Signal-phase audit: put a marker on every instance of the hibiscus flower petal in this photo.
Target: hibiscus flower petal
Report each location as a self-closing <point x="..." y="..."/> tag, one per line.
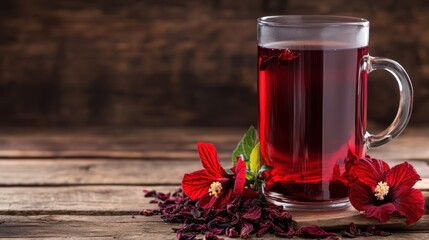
<point x="410" y="204"/>
<point x="402" y="175"/>
<point x="207" y="201"/>
<point x="197" y="184"/>
<point x="224" y="198"/>
<point x="210" y="159"/>
<point x="361" y="196"/>
<point x="239" y="171"/>
<point x="382" y="213"/>
<point x="370" y="170"/>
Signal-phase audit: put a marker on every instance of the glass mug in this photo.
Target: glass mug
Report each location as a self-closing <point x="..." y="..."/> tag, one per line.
<point x="312" y="87"/>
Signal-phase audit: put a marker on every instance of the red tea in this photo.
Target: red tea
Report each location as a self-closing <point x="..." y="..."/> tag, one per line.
<point x="312" y="118"/>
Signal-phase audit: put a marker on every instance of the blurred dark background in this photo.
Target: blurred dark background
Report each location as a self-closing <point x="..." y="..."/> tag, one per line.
<point x="175" y="63"/>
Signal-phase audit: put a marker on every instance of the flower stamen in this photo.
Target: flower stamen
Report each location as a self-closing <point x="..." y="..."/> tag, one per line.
<point x="215" y="189"/>
<point x="381" y="190"/>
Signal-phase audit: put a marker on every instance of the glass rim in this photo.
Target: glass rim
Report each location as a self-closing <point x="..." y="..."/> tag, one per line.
<point x="311" y="21"/>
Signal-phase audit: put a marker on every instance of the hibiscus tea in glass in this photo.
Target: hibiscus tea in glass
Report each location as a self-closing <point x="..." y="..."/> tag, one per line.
<point x="312" y="86"/>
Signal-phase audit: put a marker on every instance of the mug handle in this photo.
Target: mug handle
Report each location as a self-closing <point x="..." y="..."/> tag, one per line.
<point x="370" y="64"/>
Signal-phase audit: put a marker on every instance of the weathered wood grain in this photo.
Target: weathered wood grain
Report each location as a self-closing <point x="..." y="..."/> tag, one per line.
<point x="59" y="172"/>
<point x="95" y="172"/>
<point x="128" y="200"/>
<point x="108" y="227"/>
<point x="138" y="143"/>
<point x="342" y="219"/>
<point x="104" y="227"/>
<point x="413" y="143"/>
<point x="163" y="143"/>
<point x="88" y="200"/>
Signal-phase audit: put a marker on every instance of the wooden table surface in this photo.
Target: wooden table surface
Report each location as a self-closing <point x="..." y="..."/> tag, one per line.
<point x="87" y="183"/>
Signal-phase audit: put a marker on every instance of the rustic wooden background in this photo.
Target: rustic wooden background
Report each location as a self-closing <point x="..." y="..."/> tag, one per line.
<point x="175" y="63"/>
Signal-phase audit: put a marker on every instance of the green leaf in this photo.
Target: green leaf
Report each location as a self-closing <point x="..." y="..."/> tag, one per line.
<point x="246" y="145"/>
<point x="255" y="157"/>
<point x="250" y="175"/>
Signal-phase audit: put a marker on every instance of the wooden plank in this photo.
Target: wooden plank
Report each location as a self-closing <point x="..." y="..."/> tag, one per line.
<point x="52" y="172"/>
<point x="95" y="172"/>
<point x="342" y="219"/>
<point x="82" y="200"/>
<point x="77" y="227"/>
<point x="108" y="227"/>
<point x="162" y="143"/>
<point x="140" y="143"/>
<point x="413" y="143"/>
<point x="128" y="200"/>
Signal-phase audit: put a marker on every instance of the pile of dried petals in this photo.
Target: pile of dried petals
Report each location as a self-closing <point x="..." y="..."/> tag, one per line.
<point x="240" y="218"/>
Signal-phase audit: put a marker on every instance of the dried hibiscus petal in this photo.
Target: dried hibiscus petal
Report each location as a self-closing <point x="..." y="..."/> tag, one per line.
<point x="192" y="228"/>
<point x="354" y="229"/>
<point x="314" y="232"/>
<point x="217" y="231"/>
<point x="284" y="57"/>
<point x="178" y="193"/>
<point x="281" y="215"/>
<point x="149" y="212"/>
<point x="288" y="55"/>
<point x="149" y="193"/>
<point x="354" y="232"/>
<point x="289" y="234"/>
<point x="266" y="62"/>
<point x="185" y="236"/>
<point x="211" y="236"/>
<point x="232" y="232"/>
<point x="264" y="225"/>
<point x="371" y="230"/>
<point x="236" y="218"/>
<point x="246" y="229"/>
<point x="332" y="238"/>
<point x="253" y="214"/>
<point x="163" y="196"/>
<point x="195" y="213"/>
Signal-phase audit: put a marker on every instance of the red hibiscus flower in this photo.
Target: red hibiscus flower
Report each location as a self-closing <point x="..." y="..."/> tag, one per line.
<point x="214" y="186"/>
<point x="380" y="191"/>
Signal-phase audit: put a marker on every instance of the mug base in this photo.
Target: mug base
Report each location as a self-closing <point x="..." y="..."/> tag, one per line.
<point x="293" y="205"/>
